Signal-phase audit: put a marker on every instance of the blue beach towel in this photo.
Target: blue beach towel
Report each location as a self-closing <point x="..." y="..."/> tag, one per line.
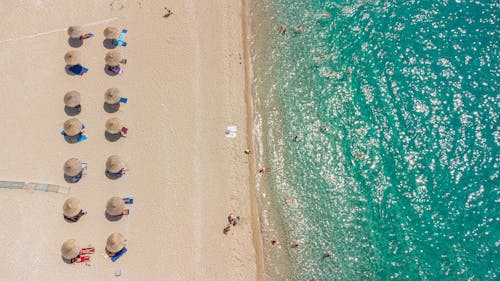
<point x="128" y="200"/>
<point x="123" y="100"/>
<point x="78" y="69"/>
<point x="81" y="138"/>
<point x="119" y="254"/>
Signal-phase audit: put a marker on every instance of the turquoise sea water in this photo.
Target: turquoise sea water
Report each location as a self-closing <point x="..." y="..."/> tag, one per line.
<point x="403" y="184"/>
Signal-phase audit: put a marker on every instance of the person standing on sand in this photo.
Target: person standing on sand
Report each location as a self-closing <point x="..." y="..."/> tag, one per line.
<point x="248" y="151"/>
<point x="282" y="29"/>
<point x="275" y="242"/>
<point x="264" y="170"/>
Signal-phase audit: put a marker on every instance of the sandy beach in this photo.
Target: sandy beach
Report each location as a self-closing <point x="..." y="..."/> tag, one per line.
<point x="185" y="83"/>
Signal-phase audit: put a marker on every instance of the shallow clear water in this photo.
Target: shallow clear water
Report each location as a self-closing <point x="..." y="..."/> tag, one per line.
<point x="404" y="181"/>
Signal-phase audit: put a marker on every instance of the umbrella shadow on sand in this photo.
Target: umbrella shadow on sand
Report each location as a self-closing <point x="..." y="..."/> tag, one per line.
<point x="69" y="179"/>
<point x="112" y="218"/>
<point x="72" y="111"/>
<point x="113" y="176"/>
<point x="66" y="68"/>
<point x="108" y="44"/>
<point x="111" y="108"/>
<point x="75" y="42"/>
<point x="67" y="261"/>
<point x="109" y="72"/>
<point x="71" y="139"/>
<point x="112" y="137"/>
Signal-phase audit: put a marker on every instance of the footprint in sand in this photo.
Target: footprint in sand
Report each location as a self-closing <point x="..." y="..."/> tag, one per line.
<point x="116" y="5"/>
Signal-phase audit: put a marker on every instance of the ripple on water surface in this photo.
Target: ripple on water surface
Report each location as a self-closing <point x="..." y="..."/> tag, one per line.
<point x="403" y="182"/>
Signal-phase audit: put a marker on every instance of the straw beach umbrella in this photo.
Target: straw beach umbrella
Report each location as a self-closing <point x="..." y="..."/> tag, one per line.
<point x="111" y="32"/>
<point x="115" y="206"/>
<point x="72" y="127"/>
<point x="71" y="207"/>
<point x="70" y="249"/>
<point x="112" y="96"/>
<point x="72" y="57"/>
<point x="72" y="167"/>
<point x="115" y="164"/>
<point x="75" y="31"/>
<point x="115" y="242"/>
<point x="113" y="58"/>
<point x="114" y="125"/>
<point x="72" y="99"/>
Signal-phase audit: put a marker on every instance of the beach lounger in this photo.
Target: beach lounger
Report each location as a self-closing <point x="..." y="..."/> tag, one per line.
<point x="123" y="100"/>
<point x="86" y="36"/>
<point x="119" y="41"/>
<point x="87" y="251"/>
<point x="80" y="259"/>
<point x="119" y="254"/>
<point x="124" y="131"/>
<point x="128" y="200"/>
<point x="78" y="69"/>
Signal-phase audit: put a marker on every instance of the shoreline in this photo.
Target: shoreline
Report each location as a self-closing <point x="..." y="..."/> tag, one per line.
<point x="255" y="211"/>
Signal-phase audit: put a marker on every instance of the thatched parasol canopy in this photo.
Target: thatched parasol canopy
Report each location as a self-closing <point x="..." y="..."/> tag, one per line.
<point x="111" y="32"/>
<point x="75" y="31"/>
<point x="115" y="242"/>
<point x="70" y="249"/>
<point x="71" y="207"/>
<point x="72" y="167"/>
<point x="72" y="127"/>
<point x="112" y="96"/>
<point x="113" y="58"/>
<point x="72" y="99"/>
<point x="115" y="164"/>
<point x="114" y="125"/>
<point x="115" y="206"/>
<point x="72" y="57"/>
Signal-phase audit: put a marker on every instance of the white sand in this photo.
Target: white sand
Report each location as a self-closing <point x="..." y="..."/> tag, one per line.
<point x="185" y="83"/>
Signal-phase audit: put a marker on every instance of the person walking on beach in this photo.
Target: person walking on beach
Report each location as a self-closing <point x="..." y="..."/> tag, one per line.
<point x="168" y="12"/>
<point x="248" y="151"/>
<point x="233" y="220"/>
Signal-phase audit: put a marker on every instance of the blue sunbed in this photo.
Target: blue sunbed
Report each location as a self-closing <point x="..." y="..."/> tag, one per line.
<point x="119" y="254"/>
<point x="119" y="41"/>
<point x="78" y="69"/>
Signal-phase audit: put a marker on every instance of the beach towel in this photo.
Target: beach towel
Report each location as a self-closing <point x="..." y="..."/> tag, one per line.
<point x="81" y="138"/>
<point x="231" y="132"/>
<point x="123" y="100"/>
<point x="128" y="200"/>
<point x="119" y="254"/>
<point x="116" y="69"/>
